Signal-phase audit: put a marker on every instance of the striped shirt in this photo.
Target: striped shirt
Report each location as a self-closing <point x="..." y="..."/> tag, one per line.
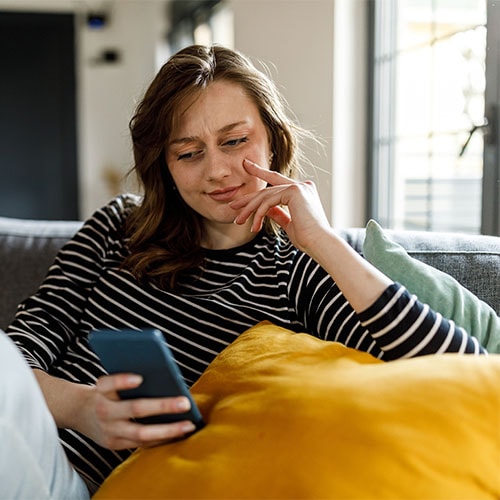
<point x="266" y="279"/>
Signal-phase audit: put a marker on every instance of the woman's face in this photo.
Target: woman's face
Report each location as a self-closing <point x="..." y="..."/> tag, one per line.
<point x="205" y="153"/>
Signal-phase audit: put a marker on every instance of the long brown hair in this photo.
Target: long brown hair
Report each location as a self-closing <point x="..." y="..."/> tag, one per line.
<point x="164" y="232"/>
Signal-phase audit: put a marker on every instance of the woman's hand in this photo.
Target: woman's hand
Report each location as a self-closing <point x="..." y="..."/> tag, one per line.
<point x="295" y="206"/>
<point x="111" y="419"/>
<point x="98" y="412"/>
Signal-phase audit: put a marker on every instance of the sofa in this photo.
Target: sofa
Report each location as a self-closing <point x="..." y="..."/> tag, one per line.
<point x="426" y="427"/>
<point x="28" y="247"/>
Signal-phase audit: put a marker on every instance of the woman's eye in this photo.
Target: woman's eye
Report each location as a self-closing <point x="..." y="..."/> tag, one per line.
<point x="188" y="156"/>
<point x="235" y="142"/>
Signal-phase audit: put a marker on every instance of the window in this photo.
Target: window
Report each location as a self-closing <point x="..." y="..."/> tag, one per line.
<point x="433" y="123"/>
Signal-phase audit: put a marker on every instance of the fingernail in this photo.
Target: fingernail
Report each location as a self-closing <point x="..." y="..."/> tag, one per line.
<point x="188" y="427"/>
<point x="183" y="404"/>
<point x="134" y="379"/>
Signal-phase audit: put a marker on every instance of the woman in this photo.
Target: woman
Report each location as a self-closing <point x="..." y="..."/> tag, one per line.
<point x="222" y="238"/>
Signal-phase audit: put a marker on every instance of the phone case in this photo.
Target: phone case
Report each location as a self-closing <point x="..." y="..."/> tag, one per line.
<point x="146" y="353"/>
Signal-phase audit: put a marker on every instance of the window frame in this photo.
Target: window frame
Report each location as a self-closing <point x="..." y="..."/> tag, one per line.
<point x="490" y="210"/>
<point x="381" y="116"/>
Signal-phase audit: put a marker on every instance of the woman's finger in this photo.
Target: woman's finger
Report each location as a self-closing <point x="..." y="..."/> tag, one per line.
<point x="270" y="176"/>
<point x="109" y="385"/>
<point x="129" y="434"/>
<point x="110" y="407"/>
<point x="258" y="204"/>
<point x="154" y="433"/>
<point x="146" y="407"/>
<point x="280" y="216"/>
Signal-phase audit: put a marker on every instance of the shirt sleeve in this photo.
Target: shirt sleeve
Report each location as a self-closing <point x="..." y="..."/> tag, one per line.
<point x="396" y="326"/>
<point x="403" y="327"/>
<point x="49" y="320"/>
<point x="323" y="310"/>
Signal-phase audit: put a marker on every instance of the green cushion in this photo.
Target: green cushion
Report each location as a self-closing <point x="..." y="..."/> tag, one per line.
<point x="439" y="290"/>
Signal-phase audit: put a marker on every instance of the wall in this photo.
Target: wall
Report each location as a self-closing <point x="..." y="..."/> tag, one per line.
<point x="350" y="107"/>
<point x="314" y="49"/>
<point x="295" y="40"/>
<point x="109" y="93"/>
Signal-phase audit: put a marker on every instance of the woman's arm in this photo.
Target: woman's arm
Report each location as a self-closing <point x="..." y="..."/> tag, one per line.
<point x="308" y="228"/>
<point x="49" y="321"/>
<point x="360" y="282"/>
<point x="400" y="325"/>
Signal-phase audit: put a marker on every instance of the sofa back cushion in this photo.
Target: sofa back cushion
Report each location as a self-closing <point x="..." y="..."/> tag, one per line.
<point x="27" y="249"/>
<point x="473" y="260"/>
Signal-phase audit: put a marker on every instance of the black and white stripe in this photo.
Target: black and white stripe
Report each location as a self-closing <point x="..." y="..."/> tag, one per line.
<point x="403" y="327"/>
<point x="267" y="279"/>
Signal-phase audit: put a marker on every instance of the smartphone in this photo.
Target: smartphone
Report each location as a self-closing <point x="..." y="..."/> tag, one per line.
<point x="145" y="352"/>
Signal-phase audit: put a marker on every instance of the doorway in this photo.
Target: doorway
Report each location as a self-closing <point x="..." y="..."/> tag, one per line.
<point x="38" y="166"/>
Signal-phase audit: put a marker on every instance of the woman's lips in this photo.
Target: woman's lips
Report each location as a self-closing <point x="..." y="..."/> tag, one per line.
<point x="224" y="195"/>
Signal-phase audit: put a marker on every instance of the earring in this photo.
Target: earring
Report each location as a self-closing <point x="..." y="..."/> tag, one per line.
<point x="270" y="159"/>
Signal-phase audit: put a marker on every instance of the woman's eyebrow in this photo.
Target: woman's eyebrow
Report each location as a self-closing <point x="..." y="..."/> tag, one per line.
<point x="193" y="138"/>
<point x="229" y="127"/>
<point x="183" y="140"/>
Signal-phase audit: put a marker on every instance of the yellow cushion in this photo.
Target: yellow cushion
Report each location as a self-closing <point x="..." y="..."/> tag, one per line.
<point x="291" y="416"/>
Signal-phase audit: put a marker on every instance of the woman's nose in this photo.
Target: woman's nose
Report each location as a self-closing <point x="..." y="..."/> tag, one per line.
<point x="218" y="165"/>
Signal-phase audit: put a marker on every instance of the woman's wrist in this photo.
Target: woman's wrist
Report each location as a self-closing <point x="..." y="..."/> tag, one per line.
<point x="359" y="281"/>
<point x="67" y="401"/>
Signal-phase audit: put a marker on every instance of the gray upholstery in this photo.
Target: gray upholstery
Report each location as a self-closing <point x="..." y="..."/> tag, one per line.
<point x="28" y="247"/>
<point x="473" y="260"/>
